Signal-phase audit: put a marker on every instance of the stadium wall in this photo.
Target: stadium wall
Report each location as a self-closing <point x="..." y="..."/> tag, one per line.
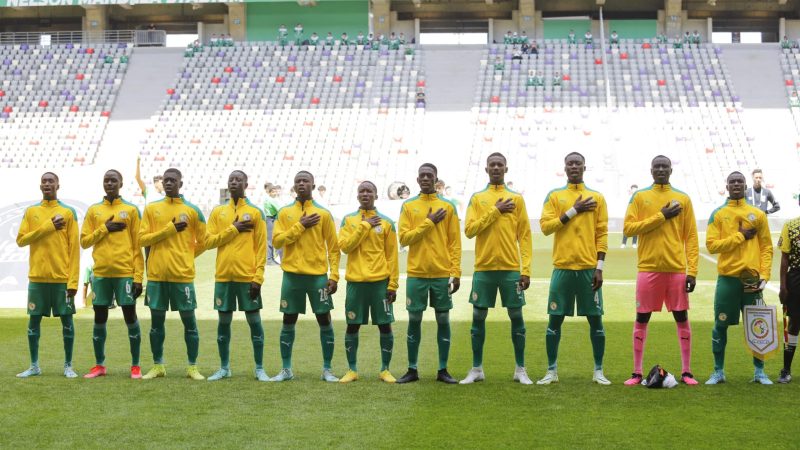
<point x="634" y="29"/>
<point x="263" y="19"/>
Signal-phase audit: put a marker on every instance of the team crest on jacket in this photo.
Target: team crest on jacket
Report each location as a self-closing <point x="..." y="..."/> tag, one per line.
<point x="378" y="229"/>
<point x="247" y="217"/>
<point x="184" y="217"/>
<point x="751" y="217"/>
<point x="474" y="296"/>
<point x="553" y="306"/>
<point x="123" y="214"/>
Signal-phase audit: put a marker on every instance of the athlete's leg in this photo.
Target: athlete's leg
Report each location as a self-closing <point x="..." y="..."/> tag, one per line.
<point x="287" y="339"/>
<point x="326" y="339"/>
<point x="517" y="335"/>
<point x="684" y="338"/>
<point x="224" y="338"/>
<point x="552" y="339"/>
<point x="134" y="332"/>
<point x="99" y="333"/>
<point x="256" y="336"/>
<point x="597" y="334"/>
<point x="414" y="337"/>
<point x="478" y="333"/>
<point x="387" y="345"/>
<point x="191" y="336"/>
<point x="351" y="345"/>
<point x="639" y="339"/>
<point x="443" y="337"/>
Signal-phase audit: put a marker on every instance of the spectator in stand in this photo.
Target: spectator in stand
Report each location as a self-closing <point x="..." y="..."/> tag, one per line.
<point x="298" y="34"/>
<point x="313" y="40"/>
<point x="228" y="41"/>
<point x="614" y="38"/>
<point x="516" y="54"/>
<point x="523" y="38"/>
<point x="283" y="36"/>
<point x="498" y="64"/>
<point x="360" y="39"/>
<point x="571" y="39"/>
<point x="534" y="80"/>
<point x="786" y="43"/>
<point x="271" y="207"/>
<point x="394" y="42"/>
<point x="322" y="196"/>
<point x="420" y="98"/>
<point x="696" y="38"/>
<point x="402" y="39"/>
<point x="344" y="40"/>
<point x="557" y="79"/>
<point x="531" y="48"/>
<point x="661" y="38"/>
<point x="384" y="40"/>
<point x="439" y="186"/>
<point x="631" y="191"/>
<point x="515" y="39"/>
<point x="329" y="39"/>
<point x="155" y="192"/>
<point x="588" y="39"/>
<point x="151" y="27"/>
<point x="508" y="39"/>
<point x="687" y="38"/>
<point x="759" y="196"/>
<point x="677" y="43"/>
<point x="214" y="41"/>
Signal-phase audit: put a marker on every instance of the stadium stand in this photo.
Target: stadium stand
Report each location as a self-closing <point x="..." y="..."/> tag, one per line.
<point x="345" y="113"/>
<point x="55" y="102"/>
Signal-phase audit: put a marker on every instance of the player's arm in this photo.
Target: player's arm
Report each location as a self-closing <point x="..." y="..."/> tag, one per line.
<point x="139" y="180"/>
<point x="26" y="236"/>
<point x="149" y="237"/>
<point x="260" y="241"/>
<point x="690" y="239"/>
<point x="329" y="234"/>
<point x="138" y="257"/>
<point x="786" y="247"/>
<point x="283" y="234"/>
<point x="635" y="227"/>
<point x="91" y="235"/>
<point x="218" y="234"/>
<point x="454" y="244"/>
<point x="350" y="239"/>
<point x="524" y="239"/>
<point x="410" y="235"/>
<point x="550" y="222"/>
<point x="74" y="252"/>
<point x="390" y="248"/>
<point x="601" y="227"/>
<point x="775" y="206"/>
<point x="717" y="244"/>
<point x="200" y="234"/>
<point x="475" y="222"/>
<point x="765" y="245"/>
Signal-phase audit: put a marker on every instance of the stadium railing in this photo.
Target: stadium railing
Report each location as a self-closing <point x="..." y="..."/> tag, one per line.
<point x="150" y="38"/>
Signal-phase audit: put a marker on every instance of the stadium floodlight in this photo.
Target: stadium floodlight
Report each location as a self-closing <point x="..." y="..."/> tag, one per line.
<point x="712" y="2"/>
<point x="601" y="2"/>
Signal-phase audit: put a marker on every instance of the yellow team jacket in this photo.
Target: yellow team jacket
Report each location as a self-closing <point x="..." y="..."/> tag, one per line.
<point x="664" y="245"/>
<point x="116" y="255"/>
<point x="577" y="242"/>
<point x="55" y="254"/>
<point x="371" y="252"/>
<point x="311" y="251"/>
<point x="434" y="250"/>
<point x="503" y="240"/>
<point x="735" y="253"/>
<point x="240" y="256"/>
<point x="172" y="253"/>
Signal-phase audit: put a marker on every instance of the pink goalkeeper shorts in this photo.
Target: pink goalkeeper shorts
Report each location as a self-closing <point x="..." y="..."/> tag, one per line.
<point x="654" y="289"/>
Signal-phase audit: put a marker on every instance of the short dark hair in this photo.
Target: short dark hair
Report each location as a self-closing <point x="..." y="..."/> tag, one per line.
<point x="241" y="172"/>
<point x="374" y="187"/>
<point x="51" y="173"/>
<point x="175" y="171"/>
<point x="305" y="172"/>
<point x="735" y="172"/>
<point x="583" y="158"/>
<point x="634" y="186"/>
<point x="268" y="186"/>
<point x="755" y="171"/>
<point x="116" y="172"/>
<point x="661" y="156"/>
<point x="497" y="154"/>
<point x="435" y="170"/>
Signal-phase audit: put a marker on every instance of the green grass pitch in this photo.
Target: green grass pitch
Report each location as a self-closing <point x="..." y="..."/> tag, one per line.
<point x="50" y="411"/>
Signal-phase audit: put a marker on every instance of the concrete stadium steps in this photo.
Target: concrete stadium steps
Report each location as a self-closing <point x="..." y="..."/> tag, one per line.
<point x="451" y="76"/>
<point x="755" y="71"/>
<point x="150" y="72"/>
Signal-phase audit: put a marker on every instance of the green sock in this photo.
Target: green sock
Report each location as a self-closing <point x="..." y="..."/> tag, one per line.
<point x="191" y="335"/>
<point x="256" y="337"/>
<point x="597" y="334"/>
<point x="414" y="337"/>
<point x="224" y="339"/>
<point x="759" y="364"/>
<point x="68" y="330"/>
<point x="286" y="344"/>
<point x="387" y="347"/>
<point x="157" y="334"/>
<point x="135" y="339"/>
<point x="327" y="342"/>
<point x="34" y="331"/>
<point x="517" y="335"/>
<point x="719" y="339"/>
<point x="351" y="349"/>
<point x="443" y="337"/>
<point x="99" y="343"/>
<point x="478" y="333"/>
<point x="552" y="339"/>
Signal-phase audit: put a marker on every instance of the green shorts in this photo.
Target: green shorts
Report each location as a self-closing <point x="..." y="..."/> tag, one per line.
<point x="486" y="284"/>
<point x="296" y="287"/>
<point x="419" y="290"/>
<point x="106" y="290"/>
<point x="570" y="286"/>
<point x="46" y="297"/>
<point x="365" y="297"/>
<point x="229" y="294"/>
<point x="730" y="299"/>
<point x="167" y="295"/>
